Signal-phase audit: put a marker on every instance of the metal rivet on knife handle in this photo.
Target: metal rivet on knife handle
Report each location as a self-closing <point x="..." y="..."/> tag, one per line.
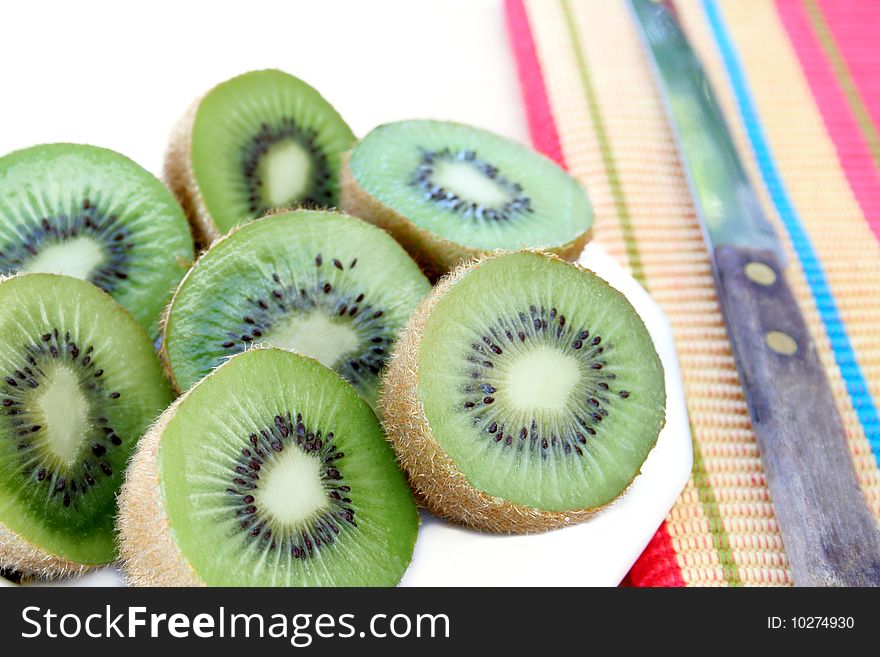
<point x="830" y="534"/>
<point x="782" y="343"/>
<point x="759" y="273"/>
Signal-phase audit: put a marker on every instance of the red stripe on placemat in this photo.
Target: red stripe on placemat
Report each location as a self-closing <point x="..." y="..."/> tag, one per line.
<point x="658" y="565"/>
<point x="852" y="149"/>
<point x="542" y="127"/>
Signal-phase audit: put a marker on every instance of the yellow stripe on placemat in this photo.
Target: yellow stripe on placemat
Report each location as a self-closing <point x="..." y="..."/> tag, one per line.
<point x="617" y="141"/>
<point x="723" y="512"/>
<point x="583" y="156"/>
<point x="818" y="187"/>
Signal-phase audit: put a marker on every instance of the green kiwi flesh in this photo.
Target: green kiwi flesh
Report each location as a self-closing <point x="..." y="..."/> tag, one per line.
<point x="469" y="187"/>
<point x="322" y="283"/>
<point x="93" y="214"/>
<point x="271" y="471"/>
<point x="79" y="384"/>
<point x="537" y="379"/>
<point x="265" y="140"/>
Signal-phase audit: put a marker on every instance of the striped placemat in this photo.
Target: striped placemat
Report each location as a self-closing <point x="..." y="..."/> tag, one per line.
<point x="798" y="82"/>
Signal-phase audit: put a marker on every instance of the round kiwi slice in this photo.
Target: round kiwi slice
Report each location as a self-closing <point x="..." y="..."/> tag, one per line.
<point x="91" y="213"/>
<point x="259" y="142"/>
<point x="79" y="384"/>
<point x="321" y="283"/>
<point x="271" y="471"/>
<point x="524" y="394"/>
<point x="448" y="191"/>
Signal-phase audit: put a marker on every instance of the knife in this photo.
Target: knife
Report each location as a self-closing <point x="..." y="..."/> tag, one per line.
<point x="830" y="535"/>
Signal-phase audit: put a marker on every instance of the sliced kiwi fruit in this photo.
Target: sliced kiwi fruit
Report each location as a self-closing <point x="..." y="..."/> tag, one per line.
<point x="448" y="191"/>
<point x="91" y="213"/>
<point x="321" y="283"/>
<point x="79" y="384"/>
<point x="261" y="141"/>
<point x="524" y="394"/>
<point x="271" y="471"/>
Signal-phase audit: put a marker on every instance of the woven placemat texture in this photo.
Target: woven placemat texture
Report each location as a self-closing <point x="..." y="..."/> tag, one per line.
<point x="797" y="82"/>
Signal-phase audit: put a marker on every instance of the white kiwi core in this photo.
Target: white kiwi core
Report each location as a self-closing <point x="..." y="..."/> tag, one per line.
<point x="64" y="410"/>
<point x="540" y="380"/>
<point x="469" y="183"/>
<point x="77" y="257"/>
<point x="285" y="170"/>
<point x="316" y="336"/>
<point x="291" y="492"/>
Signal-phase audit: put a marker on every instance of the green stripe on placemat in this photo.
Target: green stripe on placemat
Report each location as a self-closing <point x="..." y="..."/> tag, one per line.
<point x="720" y="540"/>
<point x="632" y="251"/>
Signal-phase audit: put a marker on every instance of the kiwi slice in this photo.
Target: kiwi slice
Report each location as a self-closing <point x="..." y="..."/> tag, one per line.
<point x="261" y="141"/>
<point x="271" y="471"/>
<point x="524" y="394"/>
<point x="321" y="283"/>
<point x="79" y="384"/>
<point x="448" y="191"/>
<point x="91" y="213"/>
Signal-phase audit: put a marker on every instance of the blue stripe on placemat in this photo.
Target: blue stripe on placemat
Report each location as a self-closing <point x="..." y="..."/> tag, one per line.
<point x="841" y="347"/>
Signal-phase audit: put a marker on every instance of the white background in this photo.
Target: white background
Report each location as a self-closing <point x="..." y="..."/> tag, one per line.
<point x="119" y="74"/>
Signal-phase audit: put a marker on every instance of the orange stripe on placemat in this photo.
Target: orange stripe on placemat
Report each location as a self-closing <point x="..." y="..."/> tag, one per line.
<point x="834" y="259"/>
<point x="722" y="530"/>
<point x="608" y="159"/>
<point x="700" y="477"/>
<point x="542" y="127"/>
<point x="615" y="138"/>
<point x="545" y="138"/>
<point x="712" y="560"/>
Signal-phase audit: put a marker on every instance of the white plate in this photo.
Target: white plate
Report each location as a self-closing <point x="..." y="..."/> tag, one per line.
<point x="598" y="552"/>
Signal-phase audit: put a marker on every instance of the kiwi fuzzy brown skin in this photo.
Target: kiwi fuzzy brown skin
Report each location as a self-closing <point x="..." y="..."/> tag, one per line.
<point x="436" y="482"/>
<point x="163" y="318"/>
<point x="26" y="559"/>
<point x="178" y="174"/>
<point x="20" y="556"/>
<point x="434" y="254"/>
<point x="147" y="551"/>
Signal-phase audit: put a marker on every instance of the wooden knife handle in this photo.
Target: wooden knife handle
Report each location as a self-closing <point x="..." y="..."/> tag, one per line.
<point x="830" y="535"/>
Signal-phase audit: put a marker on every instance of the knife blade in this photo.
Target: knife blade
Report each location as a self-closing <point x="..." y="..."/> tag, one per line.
<point x="829" y="533"/>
